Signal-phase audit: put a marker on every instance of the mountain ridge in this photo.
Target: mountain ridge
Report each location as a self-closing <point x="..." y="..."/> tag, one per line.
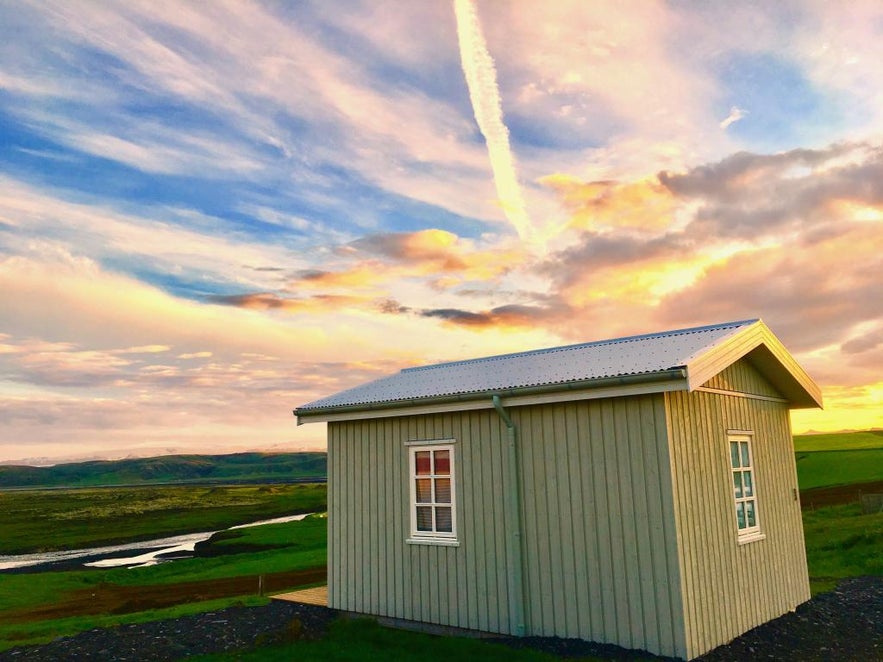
<point x="249" y="467"/>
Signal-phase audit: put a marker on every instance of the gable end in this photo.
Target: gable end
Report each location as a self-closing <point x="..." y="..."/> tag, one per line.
<point x="764" y="352"/>
<point x="743" y="378"/>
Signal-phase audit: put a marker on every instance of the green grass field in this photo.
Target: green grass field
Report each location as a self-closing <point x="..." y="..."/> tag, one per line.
<point x="824" y="468"/>
<point x="363" y="639"/>
<point x="43" y="520"/>
<point x="258" y="550"/>
<point x="839" y="441"/>
<point x="841" y="458"/>
<point x="842" y="542"/>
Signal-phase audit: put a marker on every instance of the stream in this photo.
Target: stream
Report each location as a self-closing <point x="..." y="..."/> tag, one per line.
<point x="132" y="555"/>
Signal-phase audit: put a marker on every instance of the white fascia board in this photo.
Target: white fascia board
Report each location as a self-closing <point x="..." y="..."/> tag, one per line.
<point x="723" y="355"/>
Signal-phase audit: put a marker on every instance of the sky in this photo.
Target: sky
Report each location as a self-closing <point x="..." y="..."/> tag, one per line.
<point x="212" y="213"/>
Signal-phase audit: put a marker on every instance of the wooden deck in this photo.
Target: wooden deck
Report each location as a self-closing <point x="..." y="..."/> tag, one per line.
<point x="317" y="595"/>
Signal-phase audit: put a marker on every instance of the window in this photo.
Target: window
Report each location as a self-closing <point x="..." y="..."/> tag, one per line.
<point x="433" y="516"/>
<point x="744" y="487"/>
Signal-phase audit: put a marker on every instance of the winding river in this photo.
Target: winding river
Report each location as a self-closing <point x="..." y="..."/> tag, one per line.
<point x="132" y="555"/>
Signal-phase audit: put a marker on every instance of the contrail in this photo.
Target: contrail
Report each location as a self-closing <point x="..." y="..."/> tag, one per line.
<point x="481" y="79"/>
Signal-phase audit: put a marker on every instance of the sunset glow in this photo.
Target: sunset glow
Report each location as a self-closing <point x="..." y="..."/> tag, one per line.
<point x="210" y="217"/>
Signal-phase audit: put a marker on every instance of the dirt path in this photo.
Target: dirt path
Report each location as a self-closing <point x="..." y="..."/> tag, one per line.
<point x="116" y="599"/>
<point x="839" y="494"/>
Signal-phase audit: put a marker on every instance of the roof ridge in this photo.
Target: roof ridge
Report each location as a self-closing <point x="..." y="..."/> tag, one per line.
<point x="594" y="343"/>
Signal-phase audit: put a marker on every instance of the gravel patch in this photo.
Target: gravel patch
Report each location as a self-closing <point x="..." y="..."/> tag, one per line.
<point x="230" y="629"/>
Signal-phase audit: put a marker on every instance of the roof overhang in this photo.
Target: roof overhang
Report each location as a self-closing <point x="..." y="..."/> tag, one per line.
<point x="758" y="345"/>
<point x="674" y="379"/>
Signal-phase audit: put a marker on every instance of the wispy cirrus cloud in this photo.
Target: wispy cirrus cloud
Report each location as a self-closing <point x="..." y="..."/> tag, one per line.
<point x="149" y="238"/>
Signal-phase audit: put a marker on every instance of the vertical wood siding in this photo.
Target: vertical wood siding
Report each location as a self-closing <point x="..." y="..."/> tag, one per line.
<point x="600" y="556"/>
<point x="371" y="567"/>
<point x="729" y="588"/>
<point x="741" y="377"/>
<point x="600" y="559"/>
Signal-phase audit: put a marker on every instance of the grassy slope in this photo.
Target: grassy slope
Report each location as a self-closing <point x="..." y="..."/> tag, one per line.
<point x="237" y="467"/>
<point x="69" y="519"/>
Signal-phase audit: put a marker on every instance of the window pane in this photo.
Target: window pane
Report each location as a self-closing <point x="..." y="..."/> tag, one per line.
<point x="734" y="454"/>
<point x="442" y="463"/>
<point x="422" y="464"/>
<point x="424" y="518"/>
<point x="746" y="462"/>
<point x="740" y="515"/>
<point x="424" y="490"/>
<point x="737" y="484"/>
<point x="751" y="516"/>
<point x="443" y="490"/>
<point x="749" y="486"/>
<point x="443" y="520"/>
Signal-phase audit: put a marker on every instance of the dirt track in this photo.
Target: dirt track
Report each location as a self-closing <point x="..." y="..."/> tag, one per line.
<point x="115" y="599"/>
<point x="839" y="494"/>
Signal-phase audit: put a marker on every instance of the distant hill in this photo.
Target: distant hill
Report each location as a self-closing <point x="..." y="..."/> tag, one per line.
<point x="839" y="441"/>
<point x="235" y="468"/>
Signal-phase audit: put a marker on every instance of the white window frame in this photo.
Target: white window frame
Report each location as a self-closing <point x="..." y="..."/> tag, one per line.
<point x="746" y="533"/>
<point x="431" y="537"/>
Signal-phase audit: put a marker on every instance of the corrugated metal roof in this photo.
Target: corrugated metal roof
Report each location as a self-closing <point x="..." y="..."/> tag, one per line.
<point x="633" y="355"/>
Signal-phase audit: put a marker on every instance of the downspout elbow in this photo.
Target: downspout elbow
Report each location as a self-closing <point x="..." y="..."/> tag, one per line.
<point x="498" y="405"/>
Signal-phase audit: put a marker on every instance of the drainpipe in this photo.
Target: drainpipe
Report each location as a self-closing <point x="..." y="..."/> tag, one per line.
<point x="513" y="507"/>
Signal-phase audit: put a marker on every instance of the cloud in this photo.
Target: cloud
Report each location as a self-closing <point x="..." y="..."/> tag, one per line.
<point x="735" y="115"/>
<point x="642" y="204"/>
<point x="806" y="238"/>
<point x="316" y="304"/>
<point x="253" y="94"/>
<point x="357" y="208"/>
<point x="869" y="341"/>
<point x="145" y="349"/>
<point x="196" y="355"/>
<point x="749" y="195"/>
<point x="602" y="87"/>
<point x="381" y="264"/>
<point x="103" y="310"/>
<point x="500" y="318"/>
<point x="793" y="237"/>
<point x="811" y="296"/>
<point x="481" y="79"/>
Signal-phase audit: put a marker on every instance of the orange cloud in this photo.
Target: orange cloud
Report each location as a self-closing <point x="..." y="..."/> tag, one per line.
<point x="642" y="204"/>
<point x="315" y="304"/>
<point x="441" y="258"/>
<point x="363" y="275"/>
